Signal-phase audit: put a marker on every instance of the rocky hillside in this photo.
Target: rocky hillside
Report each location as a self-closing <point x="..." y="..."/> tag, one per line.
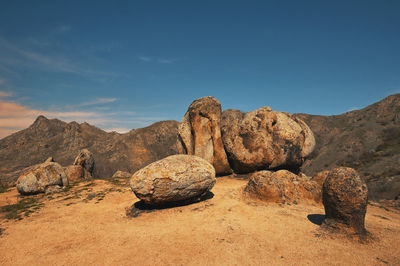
<point x="112" y="151"/>
<point x="367" y="140"/>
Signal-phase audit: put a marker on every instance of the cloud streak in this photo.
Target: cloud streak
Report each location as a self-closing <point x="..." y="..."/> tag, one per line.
<point x="98" y="101"/>
<point x="149" y="59"/>
<point x="20" y="57"/>
<point x="4" y="94"/>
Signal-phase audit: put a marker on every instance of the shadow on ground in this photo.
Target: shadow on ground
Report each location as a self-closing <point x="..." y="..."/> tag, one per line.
<point x="140" y="207"/>
<point x="317" y="219"/>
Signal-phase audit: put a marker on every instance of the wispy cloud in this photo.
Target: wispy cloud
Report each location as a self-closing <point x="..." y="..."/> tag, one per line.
<point x="64" y="28"/>
<point x="4" y="94"/>
<point x="1" y="81"/>
<point x="98" y="101"/>
<point x="150" y="59"/>
<point x="145" y="58"/>
<point x="22" y="57"/>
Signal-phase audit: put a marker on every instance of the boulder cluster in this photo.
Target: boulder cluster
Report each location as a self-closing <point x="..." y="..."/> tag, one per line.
<point x="244" y="142"/>
<point x="51" y="177"/>
<point x="267" y="146"/>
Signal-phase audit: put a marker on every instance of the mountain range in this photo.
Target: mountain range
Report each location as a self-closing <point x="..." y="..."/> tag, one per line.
<point x="367" y="140"/>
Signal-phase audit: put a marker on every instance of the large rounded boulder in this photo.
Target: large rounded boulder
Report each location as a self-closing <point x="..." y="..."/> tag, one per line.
<point x="345" y="199"/>
<point x="48" y="176"/>
<point x="282" y="187"/>
<point x="172" y="179"/>
<point x="265" y="139"/>
<point x="200" y="133"/>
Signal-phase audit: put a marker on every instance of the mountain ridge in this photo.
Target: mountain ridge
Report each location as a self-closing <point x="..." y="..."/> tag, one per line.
<point x="367" y="140"/>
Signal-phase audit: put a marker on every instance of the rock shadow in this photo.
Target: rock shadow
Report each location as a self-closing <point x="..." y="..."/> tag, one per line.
<point x="140" y="206"/>
<point x="317" y="219"/>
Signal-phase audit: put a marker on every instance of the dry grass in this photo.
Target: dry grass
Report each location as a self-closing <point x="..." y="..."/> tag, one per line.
<point x="224" y="230"/>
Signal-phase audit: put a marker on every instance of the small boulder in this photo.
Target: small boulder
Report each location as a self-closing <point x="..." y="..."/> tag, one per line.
<point x="41" y="178"/>
<point x="200" y="133"/>
<point x="76" y="173"/>
<point x="345" y="199"/>
<point x="265" y="139"/>
<point x="86" y="160"/>
<point x="121" y="174"/>
<point x="282" y="187"/>
<point x="172" y="179"/>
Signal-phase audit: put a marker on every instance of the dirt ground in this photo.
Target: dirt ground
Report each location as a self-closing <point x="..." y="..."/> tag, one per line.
<point x="88" y="225"/>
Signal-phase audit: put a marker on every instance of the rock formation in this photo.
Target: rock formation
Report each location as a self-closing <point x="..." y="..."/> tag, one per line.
<point x="282" y="187"/>
<point x="265" y="139"/>
<point x="201" y="134"/>
<point x="345" y="198"/>
<point x="121" y="174"/>
<point x="172" y="179"/>
<point x="82" y="168"/>
<point x="44" y="178"/>
<point x="86" y="160"/>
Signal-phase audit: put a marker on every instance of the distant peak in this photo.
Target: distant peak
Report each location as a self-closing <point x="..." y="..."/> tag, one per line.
<point x="40" y="118"/>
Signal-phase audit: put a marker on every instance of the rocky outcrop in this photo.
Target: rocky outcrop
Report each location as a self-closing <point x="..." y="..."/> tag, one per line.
<point x="86" y="160"/>
<point x="345" y="198"/>
<point x="121" y="174"/>
<point x="46" y="177"/>
<point x="265" y="139"/>
<point x="172" y="179"/>
<point x="282" y="187"/>
<point x="82" y="168"/>
<point x="201" y="134"/>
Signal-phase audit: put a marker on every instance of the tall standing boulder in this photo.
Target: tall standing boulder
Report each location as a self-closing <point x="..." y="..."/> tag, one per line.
<point x="265" y="139"/>
<point x="82" y="168"/>
<point x="345" y="198"/>
<point x="200" y="133"/>
<point x="48" y="176"/>
<point x="172" y="179"/>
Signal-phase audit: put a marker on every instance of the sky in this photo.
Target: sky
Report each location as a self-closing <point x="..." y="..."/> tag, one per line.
<point x="121" y="65"/>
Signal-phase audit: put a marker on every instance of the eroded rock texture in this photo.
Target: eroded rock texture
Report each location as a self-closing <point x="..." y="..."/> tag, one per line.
<point x="201" y="134"/>
<point x="282" y="187"/>
<point x="172" y="179"/>
<point x="41" y="178"/>
<point x="265" y="139"/>
<point x="344" y="195"/>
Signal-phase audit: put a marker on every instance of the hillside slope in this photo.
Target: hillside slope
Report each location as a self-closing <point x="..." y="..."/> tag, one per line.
<point x="112" y="151"/>
<point x="367" y="140"/>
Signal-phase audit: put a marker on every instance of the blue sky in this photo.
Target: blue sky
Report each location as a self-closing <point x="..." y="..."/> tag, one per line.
<point x="126" y="64"/>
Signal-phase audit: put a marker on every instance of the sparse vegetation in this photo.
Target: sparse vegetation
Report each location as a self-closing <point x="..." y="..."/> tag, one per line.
<point x="25" y="206"/>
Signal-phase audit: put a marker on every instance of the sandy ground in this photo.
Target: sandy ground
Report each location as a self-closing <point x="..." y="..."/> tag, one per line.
<point x="88" y="225"/>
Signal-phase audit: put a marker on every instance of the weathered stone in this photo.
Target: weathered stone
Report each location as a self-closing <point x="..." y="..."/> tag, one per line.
<point x="49" y="160"/>
<point x="76" y="173"/>
<point x="345" y="198"/>
<point x="53" y="189"/>
<point x="121" y="174"/>
<point x="201" y="134"/>
<point x="86" y="160"/>
<point x="320" y="177"/>
<point x="282" y="187"/>
<point x="265" y="139"/>
<point x="172" y="179"/>
<point x="41" y="177"/>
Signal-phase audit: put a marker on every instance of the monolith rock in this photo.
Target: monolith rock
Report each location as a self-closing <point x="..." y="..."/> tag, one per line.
<point x="200" y="133"/>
